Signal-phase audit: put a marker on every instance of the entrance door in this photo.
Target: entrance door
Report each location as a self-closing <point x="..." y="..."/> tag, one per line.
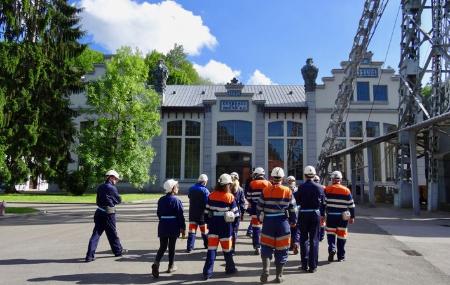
<point x="240" y="162"/>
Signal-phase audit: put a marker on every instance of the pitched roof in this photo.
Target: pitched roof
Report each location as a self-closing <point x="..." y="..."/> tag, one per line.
<point x="274" y="95"/>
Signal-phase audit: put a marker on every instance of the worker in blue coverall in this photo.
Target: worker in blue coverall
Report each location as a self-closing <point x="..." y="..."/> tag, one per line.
<point x="171" y="225"/>
<point x="221" y="212"/>
<point x="198" y="196"/>
<point x="322" y="224"/>
<point x="340" y="209"/>
<point x="253" y="193"/>
<point x="238" y="194"/>
<point x="295" y="235"/>
<point x="105" y="217"/>
<point x="277" y="211"/>
<point x="310" y="198"/>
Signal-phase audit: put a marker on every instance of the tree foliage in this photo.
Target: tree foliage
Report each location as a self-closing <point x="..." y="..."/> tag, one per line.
<point x="126" y="118"/>
<point x="38" y="45"/>
<point x="181" y="70"/>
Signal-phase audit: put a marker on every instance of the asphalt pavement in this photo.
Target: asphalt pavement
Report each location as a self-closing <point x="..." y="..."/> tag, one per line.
<point x="385" y="246"/>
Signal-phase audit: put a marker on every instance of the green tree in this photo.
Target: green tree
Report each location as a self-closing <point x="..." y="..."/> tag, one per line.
<point x="126" y="118"/>
<point x="181" y="70"/>
<point x="38" y="45"/>
<point x="87" y="59"/>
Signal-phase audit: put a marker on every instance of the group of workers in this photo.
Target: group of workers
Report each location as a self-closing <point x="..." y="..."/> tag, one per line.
<point x="283" y="218"/>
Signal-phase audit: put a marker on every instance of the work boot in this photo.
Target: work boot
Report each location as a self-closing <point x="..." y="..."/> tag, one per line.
<point x="155" y="270"/>
<point x="266" y="270"/>
<point x="331" y="256"/>
<point x="279" y="273"/>
<point x="123" y="252"/>
<point x="172" y="268"/>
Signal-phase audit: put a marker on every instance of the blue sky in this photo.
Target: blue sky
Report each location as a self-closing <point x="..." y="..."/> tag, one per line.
<point x="259" y="41"/>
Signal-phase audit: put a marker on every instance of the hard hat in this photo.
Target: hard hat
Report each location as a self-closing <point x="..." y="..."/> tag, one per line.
<point x="225" y="179"/>
<point x="278" y="172"/>
<point x="309" y="171"/>
<point x="291" y="178"/>
<point x="202" y="178"/>
<point x="169" y="184"/>
<point x="112" y="173"/>
<point x="259" y="171"/>
<point x="316" y="179"/>
<point x="336" y="175"/>
<point x="234" y="175"/>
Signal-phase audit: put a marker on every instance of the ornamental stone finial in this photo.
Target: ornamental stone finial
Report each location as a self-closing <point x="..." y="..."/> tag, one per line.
<point x="309" y="73"/>
<point x="160" y="73"/>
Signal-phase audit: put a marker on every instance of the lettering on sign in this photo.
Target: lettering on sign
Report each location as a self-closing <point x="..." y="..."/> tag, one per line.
<point x="367" y="72"/>
<point x="234" y="106"/>
<point x="234" y="92"/>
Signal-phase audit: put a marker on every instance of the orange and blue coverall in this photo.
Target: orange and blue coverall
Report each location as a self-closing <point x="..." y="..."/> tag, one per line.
<point x="219" y="231"/>
<point x="254" y="193"/>
<point x="338" y="199"/>
<point x="279" y="208"/>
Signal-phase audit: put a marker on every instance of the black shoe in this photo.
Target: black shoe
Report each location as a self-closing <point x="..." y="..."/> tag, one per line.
<point x="331" y="256"/>
<point x="312" y="270"/>
<point x="303" y="268"/>
<point x="341" y="259"/>
<point x="205" y="277"/>
<point x="172" y="268"/>
<point x="123" y="252"/>
<point x="155" y="270"/>
<point x="188" y="250"/>
<point x="231" y="271"/>
<point x="89" y="259"/>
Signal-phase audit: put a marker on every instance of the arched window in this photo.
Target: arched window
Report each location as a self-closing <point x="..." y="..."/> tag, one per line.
<point x="234" y="132"/>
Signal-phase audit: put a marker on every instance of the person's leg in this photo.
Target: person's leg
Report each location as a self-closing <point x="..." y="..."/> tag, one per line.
<point x="226" y="244"/>
<point x="282" y="242"/>
<point x="256" y="236"/>
<point x="111" y="233"/>
<point x="95" y="237"/>
<point x="341" y="233"/>
<point x="213" y="242"/>
<point x="191" y="236"/>
<point x="163" y="242"/>
<point x="331" y="229"/>
<point x="314" y="241"/>
<point x="203" y="231"/>
<point x="267" y="248"/>
<point x="304" y="250"/>
<point x="172" y="243"/>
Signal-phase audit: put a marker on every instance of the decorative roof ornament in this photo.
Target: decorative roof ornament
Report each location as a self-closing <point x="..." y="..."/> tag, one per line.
<point x="309" y="73"/>
<point x="234" y="84"/>
<point x="160" y="73"/>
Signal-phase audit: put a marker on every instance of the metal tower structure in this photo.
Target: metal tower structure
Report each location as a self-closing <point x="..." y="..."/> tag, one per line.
<point x="373" y="9"/>
<point x="411" y="100"/>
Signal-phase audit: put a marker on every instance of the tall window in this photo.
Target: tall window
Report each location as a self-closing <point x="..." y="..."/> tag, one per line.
<point x="380" y="93"/>
<point x="362" y="91"/>
<point x="372" y="129"/>
<point x="355" y="129"/>
<point x="234" y="132"/>
<point x="389" y="153"/>
<point x="183" y="149"/>
<point x="285" y="147"/>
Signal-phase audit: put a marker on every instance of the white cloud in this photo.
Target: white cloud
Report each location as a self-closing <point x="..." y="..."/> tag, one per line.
<point x="217" y="72"/>
<point x="147" y="26"/>
<point x="258" y="78"/>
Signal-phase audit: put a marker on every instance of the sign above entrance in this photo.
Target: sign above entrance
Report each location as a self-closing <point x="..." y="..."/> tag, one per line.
<point x="367" y="72"/>
<point x="234" y="106"/>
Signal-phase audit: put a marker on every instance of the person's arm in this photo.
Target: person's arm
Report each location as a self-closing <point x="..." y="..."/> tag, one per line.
<point x="180" y="218"/>
<point x="292" y="211"/>
<point x="351" y="208"/>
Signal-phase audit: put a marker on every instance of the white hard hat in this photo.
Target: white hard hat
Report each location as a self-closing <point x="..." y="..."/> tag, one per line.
<point x="278" y="172"/>
<point x="225" y="179"/>
<point x="112" y="173"/>
<point x="202" y="178"/>
<point x="259" y="171"/>
<point x="316" y="178"/>
<point x="336" y="175"/>
<point x="291" y="178"/>
<point x="309" y="171"/>
<point x="234" y="175"/>
<point x="169" y="184"/>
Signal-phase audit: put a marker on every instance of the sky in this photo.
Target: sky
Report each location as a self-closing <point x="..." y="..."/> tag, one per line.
<point x="257" y="41"/>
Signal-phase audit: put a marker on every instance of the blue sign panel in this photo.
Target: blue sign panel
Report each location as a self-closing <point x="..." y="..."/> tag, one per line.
<point x="234" y="106"/>
<point x="368" y="72"/>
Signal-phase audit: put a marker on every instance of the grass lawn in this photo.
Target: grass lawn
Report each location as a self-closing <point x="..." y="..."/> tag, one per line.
<point x="20" y="210"/>
<point x="61" y="198"/>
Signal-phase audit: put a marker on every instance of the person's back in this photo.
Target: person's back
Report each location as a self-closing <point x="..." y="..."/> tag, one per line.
<point x="170" y="213"/>
<point x="198" y="197"/>
<point x="107" y="195"/>
<point x="338" y="198"/>
<point x="310" y="196"/>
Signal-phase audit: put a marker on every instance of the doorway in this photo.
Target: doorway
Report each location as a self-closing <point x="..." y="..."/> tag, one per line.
<point x="240" y="162"/>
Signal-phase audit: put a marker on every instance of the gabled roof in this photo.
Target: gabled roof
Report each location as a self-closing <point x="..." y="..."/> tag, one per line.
<point x="279" y="96"/>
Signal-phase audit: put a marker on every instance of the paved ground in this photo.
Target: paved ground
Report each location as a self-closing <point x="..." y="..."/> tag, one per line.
<point x="49" y="248"/>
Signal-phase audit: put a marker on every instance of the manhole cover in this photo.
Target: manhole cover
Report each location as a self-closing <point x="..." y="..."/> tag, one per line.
<point x="411" y="252"/>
